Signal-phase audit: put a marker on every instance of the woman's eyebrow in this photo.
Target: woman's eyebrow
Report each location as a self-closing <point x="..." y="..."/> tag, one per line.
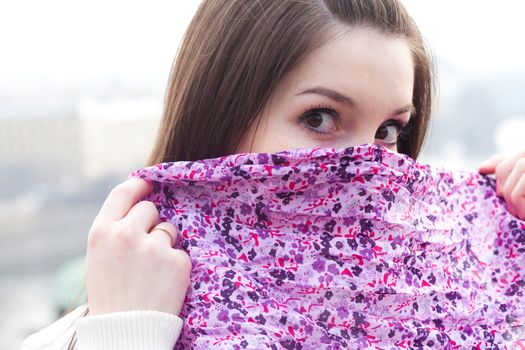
<point x="408" y="108"/>
<point x="331" y="94"/>
<point x="339" y="97"/>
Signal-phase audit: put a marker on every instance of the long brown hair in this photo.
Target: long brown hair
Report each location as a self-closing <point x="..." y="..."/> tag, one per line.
<point x="235" y="52"/>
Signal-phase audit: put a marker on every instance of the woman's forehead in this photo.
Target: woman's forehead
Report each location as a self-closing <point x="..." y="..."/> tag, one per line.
<point x="361" y="64"/>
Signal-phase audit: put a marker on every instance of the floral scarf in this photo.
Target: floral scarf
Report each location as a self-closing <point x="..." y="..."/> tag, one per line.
<point x="343" y="248"/>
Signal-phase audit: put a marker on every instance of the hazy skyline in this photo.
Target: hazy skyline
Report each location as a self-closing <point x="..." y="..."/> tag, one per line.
<point x="64" y="43"/>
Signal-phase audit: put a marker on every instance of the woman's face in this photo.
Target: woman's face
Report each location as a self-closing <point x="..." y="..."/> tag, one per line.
<point x="356" y="89"/>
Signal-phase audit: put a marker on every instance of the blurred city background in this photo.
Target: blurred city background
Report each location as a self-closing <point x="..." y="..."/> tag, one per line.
<point x="81" y="90"/>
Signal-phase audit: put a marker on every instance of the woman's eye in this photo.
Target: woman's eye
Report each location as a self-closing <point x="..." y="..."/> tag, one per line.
<point x="389" y="133"/>
<point x="322" y="121"/>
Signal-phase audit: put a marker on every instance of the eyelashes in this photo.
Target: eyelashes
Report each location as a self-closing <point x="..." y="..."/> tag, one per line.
<point x="312" y="118"/>
<point x="324" y="120"/>
<point x="387" y="137"/>
<point x="406" y="128"/>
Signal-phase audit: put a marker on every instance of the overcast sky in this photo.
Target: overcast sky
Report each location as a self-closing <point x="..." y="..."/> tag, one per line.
<point x="474" y="35"/>
<point x="62" y="42"/>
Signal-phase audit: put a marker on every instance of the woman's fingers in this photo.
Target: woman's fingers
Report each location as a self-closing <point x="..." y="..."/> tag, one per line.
<point x="122" y="198"/>
<point x="129" y="252"/>
<point x="489" y="166"/>
<point x="164" y="233"/>
<point x="503" y="171"/>
<point x="516" y="172"/>
<point x="142" y="216"/>
<point x="510" y="180"/>
<point x="181" y="263"/>
<point x="518" y="198"/>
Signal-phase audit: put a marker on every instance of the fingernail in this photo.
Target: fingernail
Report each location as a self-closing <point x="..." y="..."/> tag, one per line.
<point x="483" y="164"/>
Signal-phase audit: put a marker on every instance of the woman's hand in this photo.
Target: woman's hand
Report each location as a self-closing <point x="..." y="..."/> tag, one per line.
<point x="510" y="180"/>
<point x="130" y="265"/>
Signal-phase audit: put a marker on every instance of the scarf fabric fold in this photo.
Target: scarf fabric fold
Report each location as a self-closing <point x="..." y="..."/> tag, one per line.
<point x="357" y="248"/>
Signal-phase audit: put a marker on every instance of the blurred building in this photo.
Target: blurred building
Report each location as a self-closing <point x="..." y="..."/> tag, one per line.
<point x="102" y="137"/>
<point x="117" y="135"/>
<point x="38" y="150"/>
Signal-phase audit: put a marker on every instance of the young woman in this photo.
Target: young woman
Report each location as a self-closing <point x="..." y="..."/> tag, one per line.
<point x="256" y="76"/>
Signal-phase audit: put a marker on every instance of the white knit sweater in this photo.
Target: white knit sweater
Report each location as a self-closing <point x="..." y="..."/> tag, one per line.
<point x="120" y="330"/>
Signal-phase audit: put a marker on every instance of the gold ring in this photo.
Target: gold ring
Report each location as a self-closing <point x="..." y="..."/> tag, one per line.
<point x="166" y="231"/>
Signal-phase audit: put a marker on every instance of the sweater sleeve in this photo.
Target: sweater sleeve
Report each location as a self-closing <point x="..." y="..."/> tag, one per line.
<point x="129" y="330"/>
<point x="120" y="330"/>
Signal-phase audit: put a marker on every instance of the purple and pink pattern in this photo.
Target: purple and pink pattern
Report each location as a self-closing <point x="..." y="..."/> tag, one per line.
<point x="358" y="248"/>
